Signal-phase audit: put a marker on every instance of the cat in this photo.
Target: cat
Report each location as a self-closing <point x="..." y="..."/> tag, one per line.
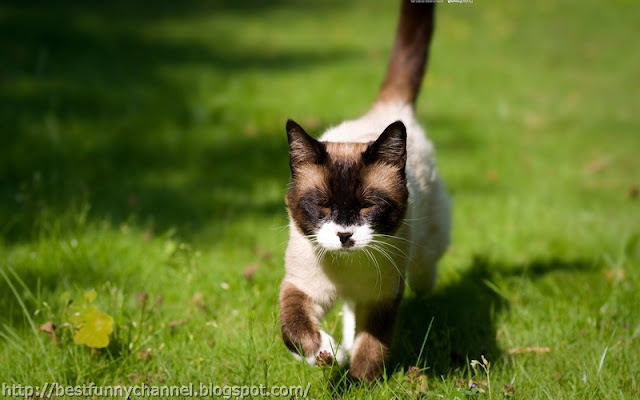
<point x="366" y="208"/>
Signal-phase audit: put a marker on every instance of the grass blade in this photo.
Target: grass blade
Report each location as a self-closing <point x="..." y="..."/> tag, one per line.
<point x="25" y="311"/>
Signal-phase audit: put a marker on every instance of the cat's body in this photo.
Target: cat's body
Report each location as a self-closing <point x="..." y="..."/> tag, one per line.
<point x="367" y="209"/>
<point x="427" y="213"/>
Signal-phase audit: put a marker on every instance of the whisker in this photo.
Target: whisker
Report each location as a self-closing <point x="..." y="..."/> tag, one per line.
<point x="381" y="199"/>
<point x="379" y="238"/>
<point x="382" y="242"/>
<point x="417" y="219"/>
<point x="280" y="228"/>
<point x="398" y="238"/>
<point x="385" y="254"/>
<point x="378" y="271"/>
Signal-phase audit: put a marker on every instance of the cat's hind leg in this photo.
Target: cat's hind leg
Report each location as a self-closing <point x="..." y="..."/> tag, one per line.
<point x="430" y="237"/>
<point x="299" y="318"/>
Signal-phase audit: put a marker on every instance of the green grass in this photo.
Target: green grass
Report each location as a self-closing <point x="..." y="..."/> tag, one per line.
<point x="143" y="155"/>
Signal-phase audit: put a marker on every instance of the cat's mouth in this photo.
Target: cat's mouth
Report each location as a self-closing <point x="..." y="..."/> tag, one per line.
<point x="344" y="250"/>
<point x="343" y="239"/>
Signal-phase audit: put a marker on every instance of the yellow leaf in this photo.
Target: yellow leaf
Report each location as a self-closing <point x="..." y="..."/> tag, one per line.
<point x="93" y="327"/>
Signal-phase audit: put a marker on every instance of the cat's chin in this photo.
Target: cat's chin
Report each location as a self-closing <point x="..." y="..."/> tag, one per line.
<point x="340" y="250"/>
<point x="344" y="250"/>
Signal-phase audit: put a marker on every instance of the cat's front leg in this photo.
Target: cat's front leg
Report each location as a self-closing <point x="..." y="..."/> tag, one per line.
<point x="299" y="318"/>
<point x="374" y="332"/>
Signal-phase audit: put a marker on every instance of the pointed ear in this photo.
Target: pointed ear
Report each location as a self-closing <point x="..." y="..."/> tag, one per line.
<point x="302" y="147"/>
<point x="390" y="147"/>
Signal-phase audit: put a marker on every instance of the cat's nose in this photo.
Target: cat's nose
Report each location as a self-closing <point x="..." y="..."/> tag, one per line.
<point x="344" y="237"/>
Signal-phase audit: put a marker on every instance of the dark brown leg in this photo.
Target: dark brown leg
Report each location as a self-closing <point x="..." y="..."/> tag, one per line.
<point x="299" y="321"/>
<point x="374" y="332"/>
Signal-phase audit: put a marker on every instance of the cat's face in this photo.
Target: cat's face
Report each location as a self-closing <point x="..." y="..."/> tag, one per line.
<point x="342" y="194"/>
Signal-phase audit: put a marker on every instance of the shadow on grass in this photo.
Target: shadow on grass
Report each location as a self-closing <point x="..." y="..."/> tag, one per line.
<point x="458" y="321"/>
<point x="456" y="324"/>
<point x="97" y="107"/>
<point x="99" y="110"/>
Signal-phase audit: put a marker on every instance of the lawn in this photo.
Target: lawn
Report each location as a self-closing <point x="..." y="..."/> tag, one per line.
<point x="144" y="162"/>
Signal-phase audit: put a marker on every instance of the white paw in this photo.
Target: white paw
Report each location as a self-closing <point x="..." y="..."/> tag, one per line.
<point x="329" y="350"/>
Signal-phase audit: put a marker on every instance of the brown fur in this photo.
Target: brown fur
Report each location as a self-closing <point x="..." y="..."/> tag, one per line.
<point x="385" y="178"/>
<point x="374" y="340"/>
<point x="410" y="52"/>
<point x="342" y="168"/>
<point x="345" y="151"/>
<point x="299" y="331"/>
<point x="368" y="359"/>
<point x="310" y="176"/>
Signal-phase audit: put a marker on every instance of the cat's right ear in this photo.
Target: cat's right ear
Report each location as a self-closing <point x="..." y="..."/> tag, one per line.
<point x="302" y="147"/>
<point x="390" y="147"/>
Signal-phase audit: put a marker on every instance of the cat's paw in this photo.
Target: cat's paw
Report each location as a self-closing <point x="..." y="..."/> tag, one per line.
<point x="328" y="353"/>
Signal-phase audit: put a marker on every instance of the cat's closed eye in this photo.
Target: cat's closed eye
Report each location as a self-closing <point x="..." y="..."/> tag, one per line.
<point x="322" y="201"/>
<point x="367" y="205"/>
<point x="375" y="198"/>
<point x="323" y="204"/>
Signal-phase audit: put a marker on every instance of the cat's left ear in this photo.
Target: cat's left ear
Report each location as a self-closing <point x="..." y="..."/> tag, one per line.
<point x="390" y="147"/>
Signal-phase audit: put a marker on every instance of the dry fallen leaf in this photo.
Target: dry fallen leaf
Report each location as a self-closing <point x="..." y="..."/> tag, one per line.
<point x="50" y="329"/>
<point x="145" y="355"/>
<point x="142" y="298"/>
<point x="249" y="271"/>
<point x="47" y="327"/>
<point x="508" y="390"/>
<point x="263" y="254"/>
<point x="614" y="275"/>
<point x="174" y="324"/>
<point x="198" y="301"/>
<point x="595" y="165"/>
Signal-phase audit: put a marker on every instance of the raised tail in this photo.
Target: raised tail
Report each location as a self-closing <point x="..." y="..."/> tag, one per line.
<point x="410" y="52"/>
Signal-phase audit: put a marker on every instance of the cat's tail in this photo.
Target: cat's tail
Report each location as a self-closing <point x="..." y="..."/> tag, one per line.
<point x="409" y="55"/>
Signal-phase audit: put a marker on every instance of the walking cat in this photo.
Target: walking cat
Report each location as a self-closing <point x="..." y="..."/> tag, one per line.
<point x="366" y="210"/>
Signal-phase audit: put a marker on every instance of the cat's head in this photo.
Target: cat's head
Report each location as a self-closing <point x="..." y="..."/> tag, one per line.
<point x="342" y="194"/>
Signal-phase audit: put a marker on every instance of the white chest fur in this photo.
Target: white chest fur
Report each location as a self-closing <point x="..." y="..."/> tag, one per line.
<point x="374" y="273"/>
